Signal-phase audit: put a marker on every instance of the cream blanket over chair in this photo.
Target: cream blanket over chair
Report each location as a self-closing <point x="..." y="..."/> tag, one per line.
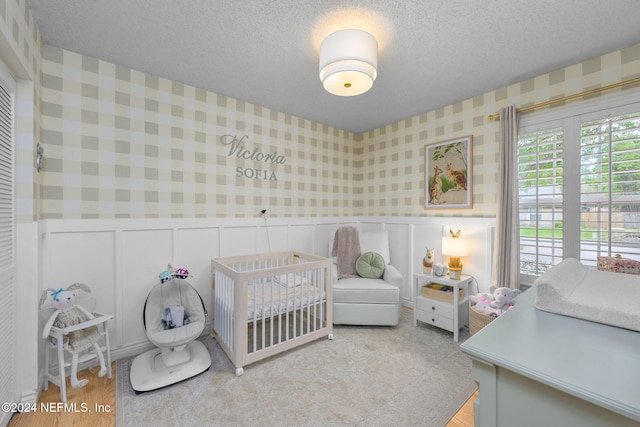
<point x="572" y="289"/>
<point x="346" y="247"/>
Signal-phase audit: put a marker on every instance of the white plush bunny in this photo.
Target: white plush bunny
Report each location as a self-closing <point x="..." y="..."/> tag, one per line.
<point x="67" y="313"/>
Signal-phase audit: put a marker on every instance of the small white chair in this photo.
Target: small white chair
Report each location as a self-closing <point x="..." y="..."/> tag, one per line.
<point x="54" y="342"/>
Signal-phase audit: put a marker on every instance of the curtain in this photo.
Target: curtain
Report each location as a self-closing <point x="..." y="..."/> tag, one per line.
<point x="506" y="257"/>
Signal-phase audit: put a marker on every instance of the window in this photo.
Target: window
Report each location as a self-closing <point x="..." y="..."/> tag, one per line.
<point x="540" y="200"/>
<point x="579" y="185"/>
<point x="610" y="187"/>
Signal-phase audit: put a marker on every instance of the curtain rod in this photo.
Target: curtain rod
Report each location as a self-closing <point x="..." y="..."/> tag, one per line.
<point x="495" y="117"/>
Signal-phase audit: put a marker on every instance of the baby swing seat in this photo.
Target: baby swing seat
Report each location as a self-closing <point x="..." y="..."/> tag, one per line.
<point x="174" y="316"/>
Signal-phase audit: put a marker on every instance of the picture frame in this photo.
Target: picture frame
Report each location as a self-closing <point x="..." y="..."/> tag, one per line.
<point x="448" y="173"/>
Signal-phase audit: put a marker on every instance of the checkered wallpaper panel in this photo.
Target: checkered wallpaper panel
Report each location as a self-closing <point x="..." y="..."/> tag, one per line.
<point x="125" y="144"/>
<point x="24" y="43"/>
<point x="393" y="156"/>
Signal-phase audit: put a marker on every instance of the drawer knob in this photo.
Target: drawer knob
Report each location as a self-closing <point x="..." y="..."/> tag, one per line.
<point x="433" y="308"/>
<point x="433" y="320"/>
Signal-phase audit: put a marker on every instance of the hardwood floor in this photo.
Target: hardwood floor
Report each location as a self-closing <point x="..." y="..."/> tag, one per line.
<point x="95" y="405"/>
<point x="92" y="405"/>
<point x="464" y="417"/>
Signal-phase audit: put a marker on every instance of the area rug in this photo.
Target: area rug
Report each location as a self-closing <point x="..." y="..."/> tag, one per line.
<point x="365" y="376"/>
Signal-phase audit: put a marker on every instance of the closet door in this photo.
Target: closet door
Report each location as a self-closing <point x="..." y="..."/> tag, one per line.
<point x="7" y="239"/>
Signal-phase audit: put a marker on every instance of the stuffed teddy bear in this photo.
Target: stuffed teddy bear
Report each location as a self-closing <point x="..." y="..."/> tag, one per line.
<point x="502" y="297"/>
<point x="497" y="301"/>
<point x="67" y="313"/>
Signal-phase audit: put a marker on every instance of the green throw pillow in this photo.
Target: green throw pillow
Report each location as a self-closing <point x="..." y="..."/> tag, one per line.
<point x="370" y="265"/>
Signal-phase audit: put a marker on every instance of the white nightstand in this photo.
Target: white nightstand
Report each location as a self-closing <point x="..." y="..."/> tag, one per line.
<point x="450" y="316"/>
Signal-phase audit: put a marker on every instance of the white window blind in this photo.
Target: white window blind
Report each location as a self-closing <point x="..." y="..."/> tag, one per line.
<point x="579" y="185"/>
<point x="610" y="188"/>
<point x="540" y="196"/>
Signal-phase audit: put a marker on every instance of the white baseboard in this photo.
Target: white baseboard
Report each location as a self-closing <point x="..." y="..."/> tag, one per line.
<point x="141" y="347"/>
<point x="4" y="418"/>
<point x="30" y="397"/>
<point x="131" y="350"/>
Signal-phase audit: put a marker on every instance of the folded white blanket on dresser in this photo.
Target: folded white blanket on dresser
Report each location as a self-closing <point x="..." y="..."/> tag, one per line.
<point x="572" y="289"/>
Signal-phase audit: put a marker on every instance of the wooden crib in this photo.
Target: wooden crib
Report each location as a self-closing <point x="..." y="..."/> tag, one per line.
<point x="265" y="304"/>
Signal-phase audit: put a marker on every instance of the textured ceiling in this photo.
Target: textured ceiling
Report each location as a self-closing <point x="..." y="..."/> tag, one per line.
<point x="431" y="52"/>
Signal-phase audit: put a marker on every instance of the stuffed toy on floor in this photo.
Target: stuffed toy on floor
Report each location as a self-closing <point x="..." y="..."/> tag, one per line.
<point x="496" y="302"/>
<point x="503" y="297"/>
<point x="68" y="313"/>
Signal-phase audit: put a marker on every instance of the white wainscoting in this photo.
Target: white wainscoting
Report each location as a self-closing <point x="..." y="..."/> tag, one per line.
<point x="121" y="259"/>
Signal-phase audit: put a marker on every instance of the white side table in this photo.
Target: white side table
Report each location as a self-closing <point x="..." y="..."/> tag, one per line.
<point x="448" y="316"/>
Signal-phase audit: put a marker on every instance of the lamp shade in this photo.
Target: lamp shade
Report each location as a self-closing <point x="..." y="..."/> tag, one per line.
<point x="348" y="62"/>
<point x="454" y="247"/>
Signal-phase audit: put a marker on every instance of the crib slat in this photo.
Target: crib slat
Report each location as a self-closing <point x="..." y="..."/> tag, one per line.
<point x="310" y="301"/>
<point x="255" y="317"/>
<point x="271" y="284"/>
<point x="264" y="311"/>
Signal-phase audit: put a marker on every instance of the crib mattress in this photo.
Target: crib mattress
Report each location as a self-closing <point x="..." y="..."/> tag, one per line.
<point x="279" y="296"/>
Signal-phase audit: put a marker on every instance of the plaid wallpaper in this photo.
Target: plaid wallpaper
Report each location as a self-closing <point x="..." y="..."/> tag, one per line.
<point x="24" y="54"/>
<point x="393" y="158"/>
<point x="125" y="144"/>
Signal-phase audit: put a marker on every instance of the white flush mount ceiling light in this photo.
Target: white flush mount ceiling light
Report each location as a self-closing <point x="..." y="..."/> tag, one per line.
<point x="348" y="62"/>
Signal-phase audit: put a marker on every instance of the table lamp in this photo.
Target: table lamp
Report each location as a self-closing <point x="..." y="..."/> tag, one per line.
<point x="454" y="247"/>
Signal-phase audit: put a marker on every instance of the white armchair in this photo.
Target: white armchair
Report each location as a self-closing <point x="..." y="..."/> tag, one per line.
<point x="363" y="301"/>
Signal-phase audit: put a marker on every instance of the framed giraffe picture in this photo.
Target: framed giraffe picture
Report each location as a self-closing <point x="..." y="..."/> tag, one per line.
<point x="447" y="174"/>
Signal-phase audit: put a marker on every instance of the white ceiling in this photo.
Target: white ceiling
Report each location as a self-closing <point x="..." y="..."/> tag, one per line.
<point x="432" y="53"/>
